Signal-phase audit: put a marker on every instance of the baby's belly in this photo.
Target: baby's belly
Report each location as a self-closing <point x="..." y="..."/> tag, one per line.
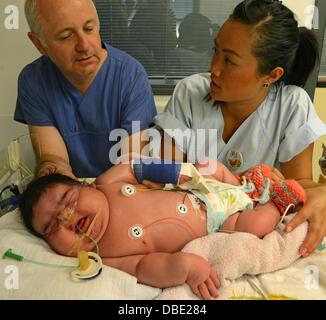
<point x="160" y="222"/>
<point x="172" y="236"/>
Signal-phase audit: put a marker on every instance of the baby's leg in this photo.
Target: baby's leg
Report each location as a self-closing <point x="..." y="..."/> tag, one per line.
<point x="259" y="221"/>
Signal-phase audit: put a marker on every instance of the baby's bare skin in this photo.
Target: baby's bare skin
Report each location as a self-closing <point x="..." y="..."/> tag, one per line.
<point x="155" y="211"/>
<point x="142" y="233"/>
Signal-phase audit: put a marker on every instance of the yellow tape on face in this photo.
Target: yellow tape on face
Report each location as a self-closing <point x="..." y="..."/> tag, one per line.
<point x="88" y="232"/>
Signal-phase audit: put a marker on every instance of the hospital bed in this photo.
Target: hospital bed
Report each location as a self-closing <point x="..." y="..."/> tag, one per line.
<point x="43" y="274"/>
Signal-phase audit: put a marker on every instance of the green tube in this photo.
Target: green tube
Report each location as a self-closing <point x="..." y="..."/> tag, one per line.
<point x="10" y="255"/>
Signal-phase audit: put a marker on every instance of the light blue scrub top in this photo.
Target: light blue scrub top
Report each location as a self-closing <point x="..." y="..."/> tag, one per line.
<point x="119" y="94"/>
<point x="283" y="125"/>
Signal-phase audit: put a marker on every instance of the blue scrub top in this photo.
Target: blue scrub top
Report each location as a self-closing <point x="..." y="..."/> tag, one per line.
<point x="119" y="94"/>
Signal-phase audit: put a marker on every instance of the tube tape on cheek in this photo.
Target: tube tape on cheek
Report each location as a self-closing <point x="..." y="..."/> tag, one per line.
<point x="157" y="172"/>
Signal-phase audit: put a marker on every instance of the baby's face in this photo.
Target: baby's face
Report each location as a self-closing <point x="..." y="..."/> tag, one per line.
<point x="63" y="209"/>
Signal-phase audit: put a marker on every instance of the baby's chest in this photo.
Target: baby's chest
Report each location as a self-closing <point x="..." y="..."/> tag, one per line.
<point x="153" y="221"/>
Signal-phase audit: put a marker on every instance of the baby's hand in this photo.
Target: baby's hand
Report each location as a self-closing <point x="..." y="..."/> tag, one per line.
<point x="183" y="179"/>
<point x="154" y="185"/>
<point x="202" y="278"/>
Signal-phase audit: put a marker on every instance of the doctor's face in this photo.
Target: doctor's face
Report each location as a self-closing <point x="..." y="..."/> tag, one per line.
<point x="70" y="37"/>
<point x="234" y="69"/>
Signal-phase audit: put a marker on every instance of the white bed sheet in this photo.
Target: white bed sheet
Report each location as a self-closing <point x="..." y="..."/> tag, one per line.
<point x="304" y="279"/>
<point x="25" y="280"/>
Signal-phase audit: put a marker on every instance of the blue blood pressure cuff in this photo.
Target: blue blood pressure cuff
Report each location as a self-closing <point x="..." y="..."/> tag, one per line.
<point x="157" y="170"/>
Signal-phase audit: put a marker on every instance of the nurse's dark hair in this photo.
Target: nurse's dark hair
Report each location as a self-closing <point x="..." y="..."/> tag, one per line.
<point x="33" y="193"/>
<point x="279" y="41"/>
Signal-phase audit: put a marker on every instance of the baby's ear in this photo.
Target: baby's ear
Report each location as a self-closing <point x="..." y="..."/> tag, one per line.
<point x="88" y="182"/>
<point x="92" y="185"/>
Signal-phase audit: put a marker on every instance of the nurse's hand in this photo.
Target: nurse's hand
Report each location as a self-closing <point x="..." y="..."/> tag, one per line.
<point x="276" y="175"/>
<point x="314" y="211"/>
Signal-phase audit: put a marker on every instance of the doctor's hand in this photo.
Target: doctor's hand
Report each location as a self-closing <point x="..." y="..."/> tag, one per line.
<point x="48" y="167"/>
<point x="314" y="211"/>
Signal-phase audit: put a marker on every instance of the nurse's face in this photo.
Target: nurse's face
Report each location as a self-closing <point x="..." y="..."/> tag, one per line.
<point x="234" y="69"/>
<point x="70" y="37"/>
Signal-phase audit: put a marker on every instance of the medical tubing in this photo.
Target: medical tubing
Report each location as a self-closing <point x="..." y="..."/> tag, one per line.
<point x="90" y="228"/>
<point x="14" y="256"/>
<point x="44" y="264"/>
<point x="156" y="170"/>
<point x="11" y="255"/>
<point x="12" y="188"/>
<point x="90" y="238"/>
<point x="13" y="200"/>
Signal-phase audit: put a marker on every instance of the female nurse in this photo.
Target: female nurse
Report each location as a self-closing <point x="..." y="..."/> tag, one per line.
<point x="251" y="107"/>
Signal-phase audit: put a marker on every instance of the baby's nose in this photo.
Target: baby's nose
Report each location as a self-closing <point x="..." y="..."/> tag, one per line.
<point x="65" y="217"/>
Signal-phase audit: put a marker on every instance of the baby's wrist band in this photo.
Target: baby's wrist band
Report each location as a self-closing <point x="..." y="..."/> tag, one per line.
<point x="157" y="170"/>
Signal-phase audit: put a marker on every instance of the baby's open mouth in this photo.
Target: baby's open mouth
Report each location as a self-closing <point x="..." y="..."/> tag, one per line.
<point x="83" y="224"/>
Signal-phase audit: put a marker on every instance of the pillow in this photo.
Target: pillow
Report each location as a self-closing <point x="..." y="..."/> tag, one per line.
<point x="26" y="280"/>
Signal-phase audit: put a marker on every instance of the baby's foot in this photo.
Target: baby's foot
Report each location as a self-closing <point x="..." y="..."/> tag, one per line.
<point x="257" y="179"/>
<point x="287" y="192"/>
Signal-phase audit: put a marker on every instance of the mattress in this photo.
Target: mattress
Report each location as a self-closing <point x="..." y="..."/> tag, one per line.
<point x="304" y="279"/>
<point x="26" y="280"/>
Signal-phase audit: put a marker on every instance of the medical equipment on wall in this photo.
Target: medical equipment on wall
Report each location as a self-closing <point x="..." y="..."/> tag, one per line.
<point x="14" y="173"/>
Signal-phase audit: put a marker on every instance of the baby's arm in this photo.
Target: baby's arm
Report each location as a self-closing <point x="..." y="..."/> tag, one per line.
<point x="215" y="169"/>
<point x="118" y="173"/>
<point x="164" y="270"/>
<point x="160" y="171"/>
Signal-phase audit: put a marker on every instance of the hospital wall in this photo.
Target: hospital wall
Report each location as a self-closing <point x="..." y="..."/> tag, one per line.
<point x="17" y="51"/>
<point x="320" y="104"/>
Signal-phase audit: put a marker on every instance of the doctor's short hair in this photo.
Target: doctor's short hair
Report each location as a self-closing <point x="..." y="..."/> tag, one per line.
<point x="32" y="16"/>
<point x="279" y="40"/>
<point x="34" y="192"/>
